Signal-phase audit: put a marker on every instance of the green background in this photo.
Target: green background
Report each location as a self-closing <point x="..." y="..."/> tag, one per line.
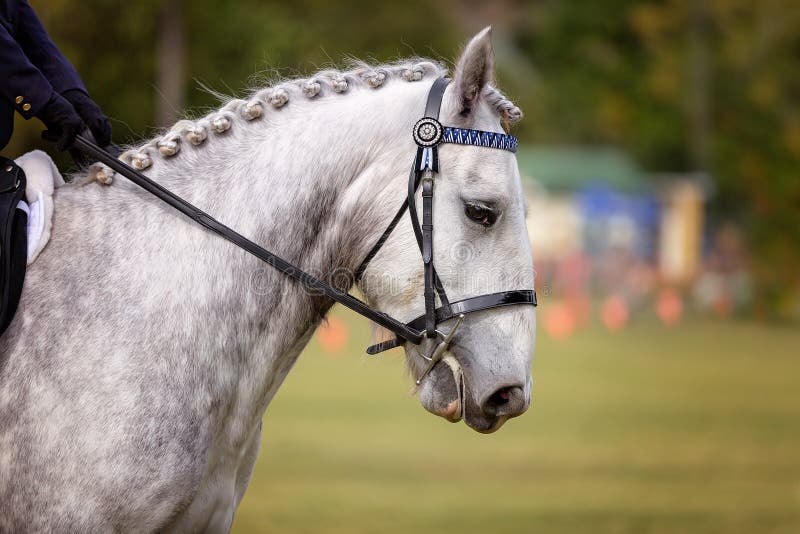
<point x="693" y="429"/>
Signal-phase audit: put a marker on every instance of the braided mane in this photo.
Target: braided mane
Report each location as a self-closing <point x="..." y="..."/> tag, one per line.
<point x="259" y="101"/>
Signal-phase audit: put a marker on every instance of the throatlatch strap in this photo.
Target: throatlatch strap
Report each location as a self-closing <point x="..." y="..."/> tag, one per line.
<point x="437" y="282"/>
<point x="432" y="107"/>
<point x="381" y="241"/>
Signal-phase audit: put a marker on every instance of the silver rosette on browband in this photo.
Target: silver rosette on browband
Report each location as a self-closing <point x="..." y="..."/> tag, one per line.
<point x="428" y="132"/>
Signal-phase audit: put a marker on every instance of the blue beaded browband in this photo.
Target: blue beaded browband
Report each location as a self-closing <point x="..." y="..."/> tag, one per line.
<point x="465" y="136"/>
<point x="429" y="132"/>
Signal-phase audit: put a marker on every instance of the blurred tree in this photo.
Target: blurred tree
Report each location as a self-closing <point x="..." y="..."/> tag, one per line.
<point x="171" y="63"/>
<point x="685" y="85"/>
<point x="682" y="84"/>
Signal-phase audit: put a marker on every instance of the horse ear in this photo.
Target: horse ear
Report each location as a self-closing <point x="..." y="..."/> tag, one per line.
<point x="475" y="69"/>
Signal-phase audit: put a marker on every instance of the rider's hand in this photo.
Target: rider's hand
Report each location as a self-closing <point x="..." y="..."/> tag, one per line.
<point x="91" y="115"/>
<point x="62" y="121"/>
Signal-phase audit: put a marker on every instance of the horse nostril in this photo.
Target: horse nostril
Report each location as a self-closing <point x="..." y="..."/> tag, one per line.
<point x="508" y="400"/>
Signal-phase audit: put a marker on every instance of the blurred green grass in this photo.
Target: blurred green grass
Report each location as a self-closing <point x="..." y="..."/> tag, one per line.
<point x="691" y="429"/>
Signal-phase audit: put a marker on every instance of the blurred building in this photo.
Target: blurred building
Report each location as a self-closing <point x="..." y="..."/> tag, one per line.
<point x="588" y="200"/>
<point x="599" y="225"/>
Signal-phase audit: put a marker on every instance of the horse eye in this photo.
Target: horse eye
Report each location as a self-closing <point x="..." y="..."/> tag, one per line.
<point x="480" y="214"/>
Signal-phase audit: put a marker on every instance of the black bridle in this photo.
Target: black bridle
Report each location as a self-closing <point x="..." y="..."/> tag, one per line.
<point x="428" y="134"/>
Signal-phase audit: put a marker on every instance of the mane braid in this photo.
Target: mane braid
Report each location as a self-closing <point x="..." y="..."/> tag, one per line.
<point x="325" y="82"/>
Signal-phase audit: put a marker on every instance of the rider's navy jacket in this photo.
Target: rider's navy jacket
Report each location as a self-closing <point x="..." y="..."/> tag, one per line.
<point x="31" y="66"/>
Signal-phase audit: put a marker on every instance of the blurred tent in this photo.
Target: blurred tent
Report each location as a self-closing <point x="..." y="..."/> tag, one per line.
<point x="571" y="168"/>
<point x="600" y="225"/>
<point x="587" y="200"/>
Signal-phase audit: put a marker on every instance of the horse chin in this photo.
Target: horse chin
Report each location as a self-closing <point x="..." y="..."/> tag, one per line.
<point x="441" y="391"/>
<point x="479" y="421"/>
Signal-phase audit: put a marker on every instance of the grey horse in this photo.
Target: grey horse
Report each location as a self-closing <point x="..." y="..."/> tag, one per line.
<point x="135" y="376"/>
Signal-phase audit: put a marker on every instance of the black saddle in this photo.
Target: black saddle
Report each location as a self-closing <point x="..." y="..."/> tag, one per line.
<point x="13" y="239"/>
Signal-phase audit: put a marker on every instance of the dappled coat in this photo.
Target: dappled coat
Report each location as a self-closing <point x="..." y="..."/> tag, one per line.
<point x="31" y="66"/>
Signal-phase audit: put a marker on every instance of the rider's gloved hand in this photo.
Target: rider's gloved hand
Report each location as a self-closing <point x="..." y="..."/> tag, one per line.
<point x="62" y="121"/>
<point x="91" y="115"/>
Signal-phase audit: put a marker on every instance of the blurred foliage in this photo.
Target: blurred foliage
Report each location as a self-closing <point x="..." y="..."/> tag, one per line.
<point x="621" y="72"/>
<point x="683" y="85"/>
<point x="231" y="45"/>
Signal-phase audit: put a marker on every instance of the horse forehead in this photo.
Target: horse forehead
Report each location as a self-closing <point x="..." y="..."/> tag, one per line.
<point x="486" y="118"/>
<point x="482" y="171"/>
<point x="485" y="165"/>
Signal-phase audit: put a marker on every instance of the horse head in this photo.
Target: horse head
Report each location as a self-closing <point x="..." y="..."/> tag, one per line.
<point x="480" y="247"/>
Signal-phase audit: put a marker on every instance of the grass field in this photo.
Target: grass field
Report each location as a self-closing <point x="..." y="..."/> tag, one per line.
<point x="692" y="429"/>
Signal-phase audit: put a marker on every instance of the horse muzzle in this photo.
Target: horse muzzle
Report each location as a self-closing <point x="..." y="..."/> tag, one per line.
<point x="446" y="392"/>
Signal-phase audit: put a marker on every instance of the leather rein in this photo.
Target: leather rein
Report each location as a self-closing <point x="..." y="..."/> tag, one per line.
<point x="428" y="135"/>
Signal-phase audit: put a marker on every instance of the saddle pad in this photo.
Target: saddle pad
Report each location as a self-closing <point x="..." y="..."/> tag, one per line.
<point x="43" y="179"/>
